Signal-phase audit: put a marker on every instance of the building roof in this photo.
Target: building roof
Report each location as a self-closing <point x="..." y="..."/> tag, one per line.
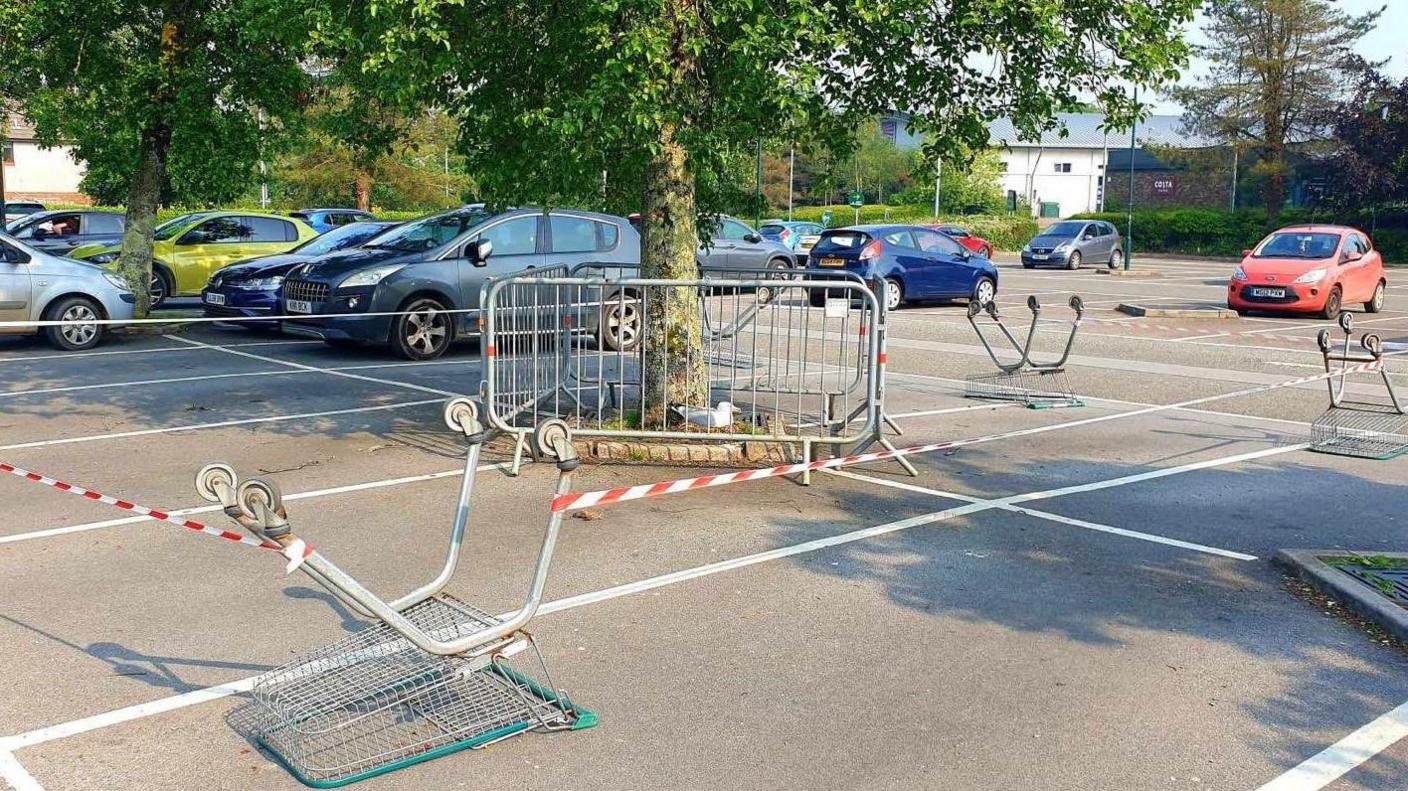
<point x="1083" y="130"/>
<point x="16" y="127"/>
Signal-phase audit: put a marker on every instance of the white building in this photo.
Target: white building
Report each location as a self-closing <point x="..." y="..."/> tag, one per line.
<point x="36" y="173"/>
<point x="1061" y="175"/>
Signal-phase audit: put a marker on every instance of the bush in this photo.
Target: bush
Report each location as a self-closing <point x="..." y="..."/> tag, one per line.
<point x="1006" y="231"/>
<point x="1219" y="232"/>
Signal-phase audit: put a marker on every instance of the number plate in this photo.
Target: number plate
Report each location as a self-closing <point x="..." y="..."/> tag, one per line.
<point x="299" y="306"/>
<point x="215" y="299"/>
<point x="1275" y="293"/>
<point x="1040" y="256"/>
<point x="831" y="262"/>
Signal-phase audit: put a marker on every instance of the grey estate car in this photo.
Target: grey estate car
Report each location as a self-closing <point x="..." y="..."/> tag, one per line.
<point x="38" y="286"/>
<point x="1070" y="243"/>
<point x="430" y="272"/>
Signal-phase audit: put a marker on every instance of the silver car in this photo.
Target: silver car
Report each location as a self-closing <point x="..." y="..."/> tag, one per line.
<point x="1070" y="243"/>
<point x="39" y="286"/>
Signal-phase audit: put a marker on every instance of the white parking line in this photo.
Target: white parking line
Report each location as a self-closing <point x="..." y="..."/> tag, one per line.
<point x="328" y="371"/>
<point x="16" y="775"/>
<point x="154" y="350"/>
<point x="219" y="424"/>
<point x="1340" y="758"/>
<point x="1065" y="520"/>
<point x="139" y="711"/>
<point x="205" y="509"/>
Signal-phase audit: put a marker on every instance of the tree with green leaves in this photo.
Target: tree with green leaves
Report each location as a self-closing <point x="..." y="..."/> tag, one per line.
<point x="160" y="95"/>
<point x="1276" y="66"/>
<point x="662" y="93"/>
<point x="1369" y="168"/>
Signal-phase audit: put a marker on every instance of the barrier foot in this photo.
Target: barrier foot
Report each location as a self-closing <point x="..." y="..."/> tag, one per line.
<point x="519" y="444"/>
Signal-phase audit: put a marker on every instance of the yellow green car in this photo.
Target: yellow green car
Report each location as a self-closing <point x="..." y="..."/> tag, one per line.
<point x="189" y="248"/>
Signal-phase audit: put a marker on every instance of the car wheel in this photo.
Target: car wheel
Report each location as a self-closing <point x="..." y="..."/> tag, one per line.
<point x="1074" y="261"/>
<point x="1332" y="305"/>
<point x="778" y="269"/>
<point x="620" y="328"/>
<point x="1117" y="259"/>
<point x="984" y="291"/>
<point x="894" y="294"/>
<point x="77" y="330"/>
<point x="986" y="252"/>
<point x="160" y="288"/>
<point x="1376" y="302"/>
<point x="423" y="331"/>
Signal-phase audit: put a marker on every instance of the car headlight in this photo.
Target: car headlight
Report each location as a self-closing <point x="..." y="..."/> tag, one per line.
<point x="1027" y="248"/>
<point x="104" y="258"/>
<point x="1239" y="274"/>
<point x="116" y="281"/>
<point x="1313" y="276"/>
<point x="259" y="283"/>
<point x="370" y="277"/>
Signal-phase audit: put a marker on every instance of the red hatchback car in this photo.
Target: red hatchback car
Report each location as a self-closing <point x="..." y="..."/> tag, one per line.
<point x="1309" y="269"/>
<point x="975" y="244"/>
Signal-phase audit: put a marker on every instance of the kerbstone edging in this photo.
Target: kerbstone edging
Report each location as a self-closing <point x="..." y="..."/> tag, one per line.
<point x="1306" y="563"/>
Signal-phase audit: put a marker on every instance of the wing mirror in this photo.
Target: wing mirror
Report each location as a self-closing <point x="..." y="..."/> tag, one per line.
<point x="13" y="255"/>
<point x="42" y="233"/>
<point x="1350" y="256"/>
<point x="196" y="236"/>
<point x="1246" y="253"/>
<point x="478" y="251"/>
<point x="752" y="238"/>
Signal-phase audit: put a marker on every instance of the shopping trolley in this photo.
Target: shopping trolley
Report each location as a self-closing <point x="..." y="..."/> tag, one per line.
<point x="1366" y="427"/>
<point x="1027" y="381"/>
<point x="432" y="676"/>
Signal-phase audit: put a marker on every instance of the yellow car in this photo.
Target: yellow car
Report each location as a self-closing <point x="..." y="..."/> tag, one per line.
<point x="189" y="248"/>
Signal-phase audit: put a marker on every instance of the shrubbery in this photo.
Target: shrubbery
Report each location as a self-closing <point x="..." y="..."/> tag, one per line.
<point x="1220" y="232"/>
<point x="1006" y="231"/>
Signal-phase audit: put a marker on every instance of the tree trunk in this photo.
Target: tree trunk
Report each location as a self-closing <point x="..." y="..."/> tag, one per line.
<point x="673" y="363"/>
<point x="143" y="197"/>
<point x="362" y="190"/>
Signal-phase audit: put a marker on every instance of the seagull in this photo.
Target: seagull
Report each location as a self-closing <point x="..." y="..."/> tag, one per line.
<point x="718" y="417"/>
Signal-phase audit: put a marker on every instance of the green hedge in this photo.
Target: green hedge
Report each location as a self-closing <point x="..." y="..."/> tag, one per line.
<point x="1219" y="232"/>
<point x="1006" y="231"/>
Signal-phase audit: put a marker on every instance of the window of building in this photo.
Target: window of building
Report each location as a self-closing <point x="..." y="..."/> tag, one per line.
<point x="1063" y="167"/>
<point x="7" y="154"/>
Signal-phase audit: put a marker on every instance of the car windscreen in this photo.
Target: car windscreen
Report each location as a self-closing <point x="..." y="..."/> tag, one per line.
<point x="428" y="233"/>
<point x="1298" y="244"/>
<point x="173" y="226"/>
<point x="1064" y="229"/>
<point x="340" y="238"/>
<point x="772" y="230"/>
<point x="841" y="241"/>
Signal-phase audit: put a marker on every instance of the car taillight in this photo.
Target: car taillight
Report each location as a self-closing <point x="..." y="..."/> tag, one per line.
<point x="785" y="233"/>
<point x="871" y="250"/>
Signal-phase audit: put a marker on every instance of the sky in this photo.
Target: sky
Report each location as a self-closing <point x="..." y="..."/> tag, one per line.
<point x="1385" y="41"/>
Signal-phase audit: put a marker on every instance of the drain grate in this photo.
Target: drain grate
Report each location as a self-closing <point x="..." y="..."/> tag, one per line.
<point x="1391" y="583"/>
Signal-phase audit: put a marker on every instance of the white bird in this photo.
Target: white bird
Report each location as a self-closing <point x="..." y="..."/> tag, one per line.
<point x="718" y="417"/>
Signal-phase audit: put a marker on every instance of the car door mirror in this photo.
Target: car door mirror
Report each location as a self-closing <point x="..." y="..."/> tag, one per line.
<point x="1246" y="253"/>
<point x="478" y="251"/>
<point x="41" y="233"/>
<point x="1350" y="256"/>
<point x="12" y="255"/>
<point x="196" y="236"/>
<point x="752" y="238"/>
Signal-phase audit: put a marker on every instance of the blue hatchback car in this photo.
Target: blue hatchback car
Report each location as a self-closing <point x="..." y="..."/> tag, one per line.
<point x="250" y="288"/>
<point x="917" y="263"/>
<point x="324" y="220"/>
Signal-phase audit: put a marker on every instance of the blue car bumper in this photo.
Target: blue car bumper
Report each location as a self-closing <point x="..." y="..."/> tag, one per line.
<point x="369" y="329"/>
<point x="239" y="303"/>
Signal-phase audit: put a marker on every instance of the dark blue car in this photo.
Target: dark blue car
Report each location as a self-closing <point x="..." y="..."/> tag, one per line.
<point x="250" y="288"/>
<point x="324" y="220"/>
<point x="917" y="263"/>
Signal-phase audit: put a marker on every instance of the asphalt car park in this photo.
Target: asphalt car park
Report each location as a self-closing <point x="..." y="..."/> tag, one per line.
<point x="1086" y="603"/>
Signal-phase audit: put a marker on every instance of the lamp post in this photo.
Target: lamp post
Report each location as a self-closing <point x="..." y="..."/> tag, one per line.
<point x="938" y="181"/>
<point x="1129" y="216"/>
<point x="791" y="177"/>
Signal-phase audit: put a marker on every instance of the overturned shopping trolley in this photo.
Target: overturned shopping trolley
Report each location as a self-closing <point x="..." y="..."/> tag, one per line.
<point x="1367" y="426"/>
<point x="1027" y="381"/>
<point x="433" y="676"/>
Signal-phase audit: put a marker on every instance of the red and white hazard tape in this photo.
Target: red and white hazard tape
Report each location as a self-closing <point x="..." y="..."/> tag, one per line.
<point x="575" y="501"/>
<point x="296" y="552"/>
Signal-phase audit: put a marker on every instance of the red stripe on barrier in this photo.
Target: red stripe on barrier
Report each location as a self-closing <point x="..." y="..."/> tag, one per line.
<point x="880" y="358"/>
<point x="62" y="486"/>
<point x="123" y="504"/>
<point x="563" y="500"/>
<point x="490" y="351"/>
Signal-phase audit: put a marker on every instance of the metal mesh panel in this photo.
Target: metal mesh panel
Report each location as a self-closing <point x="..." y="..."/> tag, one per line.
<point x="1032" y="388"/>
<point x="372" y="702"/>
<point x="1370" y="431"/>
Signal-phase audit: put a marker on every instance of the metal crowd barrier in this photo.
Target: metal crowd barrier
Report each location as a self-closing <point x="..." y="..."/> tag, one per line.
<point x="434" y="675"/>
<point x="780" y="357"/>
<point x="1366" y="427"/>
<point x="1025" y="380"/>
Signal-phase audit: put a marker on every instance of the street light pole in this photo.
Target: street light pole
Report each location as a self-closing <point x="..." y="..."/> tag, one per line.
<point x="791" y="177"/>
<point x="1129" y="217"/>
<point x="938" y="181"/>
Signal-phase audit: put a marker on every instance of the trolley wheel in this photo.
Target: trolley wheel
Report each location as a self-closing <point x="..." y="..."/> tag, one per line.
<point x="258" y="491"/>
<point x="1347" y="322"/>
<point x="1033" y="304"/>
<point x="974" y="308"/>
<point x="1077" y="304"/>
<point x="461" y="414"/>
<point x="1372" y="344"/>
<point x="548" y="434"/>
<point x="1322" y="339"/>
<point x="211" y="476"/>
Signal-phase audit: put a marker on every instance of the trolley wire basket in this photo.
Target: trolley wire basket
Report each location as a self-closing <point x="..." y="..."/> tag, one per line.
<point x="1367" y="426"/>
<point x="432" y="676"/>
<point x="1026" y="380"/>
